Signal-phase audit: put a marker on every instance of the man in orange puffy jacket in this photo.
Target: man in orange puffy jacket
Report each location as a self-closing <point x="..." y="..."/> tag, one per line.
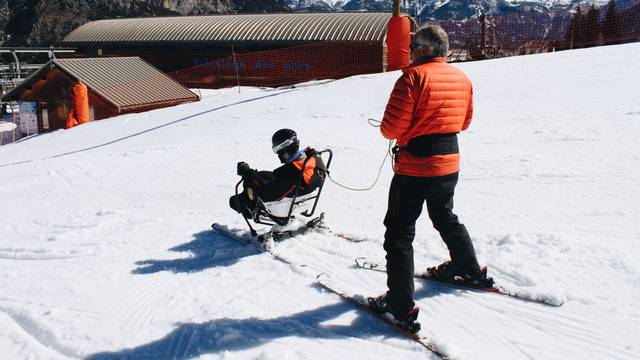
<point x="429" y="105"/>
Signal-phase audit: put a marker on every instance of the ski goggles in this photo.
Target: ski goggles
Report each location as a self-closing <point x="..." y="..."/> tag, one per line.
<point x="283" y="145"/>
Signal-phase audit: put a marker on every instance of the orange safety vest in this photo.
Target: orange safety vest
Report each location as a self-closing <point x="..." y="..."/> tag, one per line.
<point x="309" y="169"/>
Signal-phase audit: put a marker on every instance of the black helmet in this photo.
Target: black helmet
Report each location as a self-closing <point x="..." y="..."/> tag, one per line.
<point x="285" y="140"/>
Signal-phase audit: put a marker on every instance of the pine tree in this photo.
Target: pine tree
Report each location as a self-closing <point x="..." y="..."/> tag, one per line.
<point x="611" y="24"/>
<point x="573" y="35"/>
<point x="592" y="26"/>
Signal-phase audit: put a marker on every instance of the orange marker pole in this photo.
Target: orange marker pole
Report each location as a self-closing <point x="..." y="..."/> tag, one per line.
<point x="79" y="113"/>
<point x="398" y="39"/>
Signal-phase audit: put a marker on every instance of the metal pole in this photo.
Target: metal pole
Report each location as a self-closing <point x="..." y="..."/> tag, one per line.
<point x="13" y="52"/>
<point x="13" y="117"/>
<point x="396" y="7"/>
<point x="235" y="66"/>
<point x="571" y="38"/>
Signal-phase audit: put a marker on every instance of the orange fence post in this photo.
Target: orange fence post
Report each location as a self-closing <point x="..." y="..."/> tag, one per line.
<point x="79" y="113"/>
<point x="398" y="38"/>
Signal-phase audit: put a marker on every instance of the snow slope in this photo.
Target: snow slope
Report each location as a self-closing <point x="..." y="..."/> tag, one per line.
<point x="106" y="250"/>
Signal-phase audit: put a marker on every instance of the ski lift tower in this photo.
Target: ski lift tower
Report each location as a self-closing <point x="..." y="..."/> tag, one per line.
<point x="12" y="73"/>
<point x="488" y="46"/>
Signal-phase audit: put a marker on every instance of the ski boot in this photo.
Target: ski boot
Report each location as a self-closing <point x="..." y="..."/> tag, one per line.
<point x="450" y="271"/>
<point x="407" y="320"/>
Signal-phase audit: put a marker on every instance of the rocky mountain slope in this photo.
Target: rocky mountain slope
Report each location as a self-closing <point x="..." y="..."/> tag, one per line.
<point x="45" y="22"/>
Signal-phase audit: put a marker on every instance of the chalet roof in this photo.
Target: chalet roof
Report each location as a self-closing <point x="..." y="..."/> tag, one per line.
<point x="125" y="82"/>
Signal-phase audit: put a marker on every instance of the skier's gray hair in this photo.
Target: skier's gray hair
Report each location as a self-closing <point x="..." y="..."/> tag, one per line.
<point x="435" y="38"/>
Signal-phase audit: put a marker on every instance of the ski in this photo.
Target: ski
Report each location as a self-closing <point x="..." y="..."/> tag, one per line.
<point x="265" y="242"/>
<point x="360" y="302"/>
<point x="242" y="236"/>
<point x="343" y="235"/>
<point x="261" y="243"/>
<point x="320" y="227"/>
<point x="364" y="263"/>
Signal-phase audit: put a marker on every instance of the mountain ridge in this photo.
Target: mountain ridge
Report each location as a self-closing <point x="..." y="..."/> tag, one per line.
<point x="54" y="20"/>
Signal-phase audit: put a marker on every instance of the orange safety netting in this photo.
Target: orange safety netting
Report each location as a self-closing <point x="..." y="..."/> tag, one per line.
<point x="525" y="33"/>
<point x="273" y="68"/>
<point x="470" y="39"/>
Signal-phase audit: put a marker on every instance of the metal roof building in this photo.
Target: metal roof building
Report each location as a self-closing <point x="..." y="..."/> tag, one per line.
<point x="193" y="40"/>
<point x="116" y="85"/>
<point x="221" y="29"/>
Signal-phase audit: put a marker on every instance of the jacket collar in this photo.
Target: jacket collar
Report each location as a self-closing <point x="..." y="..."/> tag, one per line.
<point x="295" y="157"/>
<point x="425" y="60"/>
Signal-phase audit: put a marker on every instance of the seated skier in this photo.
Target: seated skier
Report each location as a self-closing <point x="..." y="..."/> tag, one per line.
<point x="281" y="183"/>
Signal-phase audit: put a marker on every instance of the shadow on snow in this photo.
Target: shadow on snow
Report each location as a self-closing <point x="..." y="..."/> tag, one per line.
<point x="209" y="249"/>
<point x="191" y="340"/>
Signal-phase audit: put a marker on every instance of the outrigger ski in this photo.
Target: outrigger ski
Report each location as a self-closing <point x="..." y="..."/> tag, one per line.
<point x="361" y="302"/>
<point x="364" y="263"/>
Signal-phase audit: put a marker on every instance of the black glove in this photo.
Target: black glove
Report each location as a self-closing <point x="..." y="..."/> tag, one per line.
<point x="243" y="169"/>
<point x="310" y="152"/>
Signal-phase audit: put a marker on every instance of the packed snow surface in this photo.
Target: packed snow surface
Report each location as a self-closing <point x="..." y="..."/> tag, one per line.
<point x="106" y="250"/>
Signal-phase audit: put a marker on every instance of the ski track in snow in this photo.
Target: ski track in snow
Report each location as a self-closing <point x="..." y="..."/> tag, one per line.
<point x="566" y="330"/>
<point x="33" y="254"/>
<point x="41" y="336"/>
<point x="106" y="250"/>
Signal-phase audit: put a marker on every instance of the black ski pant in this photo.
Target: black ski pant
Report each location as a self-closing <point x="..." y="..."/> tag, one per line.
<point x="266" y="186"/>
<point x="242" y="204"/>
<point x="406" y="198"/>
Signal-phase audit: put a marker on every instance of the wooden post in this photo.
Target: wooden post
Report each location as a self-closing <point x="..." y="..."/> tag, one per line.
<point x="483" y="36"/>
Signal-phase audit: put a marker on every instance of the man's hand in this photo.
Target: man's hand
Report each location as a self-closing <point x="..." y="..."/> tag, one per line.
<point x="243" y="169"/>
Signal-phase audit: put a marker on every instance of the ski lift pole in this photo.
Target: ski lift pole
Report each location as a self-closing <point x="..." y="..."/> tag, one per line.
<point x="15" y="57"/>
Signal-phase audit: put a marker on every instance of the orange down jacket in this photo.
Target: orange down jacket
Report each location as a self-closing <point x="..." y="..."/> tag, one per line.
<point x="430" y="97"/>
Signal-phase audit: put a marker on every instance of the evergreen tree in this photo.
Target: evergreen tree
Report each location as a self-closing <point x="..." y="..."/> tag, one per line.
<point x="261" y="6"/>
<point x="574" y="32"/>
<point x="591" y="27"/>
<point x="611" y="24"/>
